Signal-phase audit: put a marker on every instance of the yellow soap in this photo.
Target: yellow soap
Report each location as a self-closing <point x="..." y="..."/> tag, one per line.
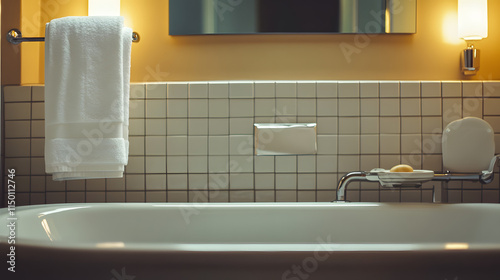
<point x="402" y="168"/>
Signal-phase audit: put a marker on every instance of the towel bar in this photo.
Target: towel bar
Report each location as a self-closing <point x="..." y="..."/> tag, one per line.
<point x="14" y="36"/>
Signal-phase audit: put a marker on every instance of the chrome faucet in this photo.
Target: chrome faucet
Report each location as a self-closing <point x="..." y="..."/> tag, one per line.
<point x="485" y="177"/>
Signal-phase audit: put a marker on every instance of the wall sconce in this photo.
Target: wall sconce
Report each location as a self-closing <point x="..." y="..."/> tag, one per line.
<point x="472" y="27"/>
<point x="104" y="7"/>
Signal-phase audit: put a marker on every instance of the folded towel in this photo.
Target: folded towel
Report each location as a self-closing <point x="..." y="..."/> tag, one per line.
<point x="87" y="78"/>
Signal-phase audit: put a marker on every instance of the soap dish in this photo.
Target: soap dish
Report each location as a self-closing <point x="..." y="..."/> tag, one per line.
<point x="390" y="179"/>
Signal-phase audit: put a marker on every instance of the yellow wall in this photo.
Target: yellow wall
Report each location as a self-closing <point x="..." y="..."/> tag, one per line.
<point x="430" y="54"/>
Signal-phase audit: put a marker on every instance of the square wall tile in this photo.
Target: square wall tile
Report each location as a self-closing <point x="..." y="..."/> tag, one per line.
<point x="370" y="125"/>
<point x="286" y="164"/>
<point x="156" y="108"/>
<point x="156" y="127"/>
<point x="306" y="181"/>
<point x="491" y="106"/>
<point x="389" y="89"/>
<point x="411" y="125"/>
<point x="306" y="107"/>
<point x="286" y="89"/>
<point x="241" y="126"/>
<point x="218" y="90"/>
<point x="177" y="126"/>
<point x="326" y="163"/>
<point x="491" y="89"/>
<point x="306" y="164"/>
<point x="241" y="181"/>
<point x="156" y="90"/>
<point x="156" y="145"/>
<point x="348" y="89"/>
<point x="38" y="93"/>
<point x="389" y="107"/>
<point x="472" y="89"/>
<point x="177" y="164"/>
<point x="137" y="109"/>
<point x="138" y="91"/>
<point x="431" y="89"/>
<point x="198" y="108"/>
<point x="369" y="89"/>
<point x="198" y="126"/>
<point x="197" y="164"/>
<point x="264" y="164"/>
<point x="156" y="182"/>
<point x="369" y="144"/>
<point x="177" y="108"/>
<point x="218" y="126"/>
<point x="370" y="107"/>
<point x="327" y="144"/>
<point x="348" y="144"/>
<point x="17" y="129"/>
<point x="349" y="125"/>
<point x="198" y="145"/>
<point x="218" y="164"/>
<point x="390" y="125"/>
<point x="198" y="90"/>
<point x="218" y="108"/>
<point x="241" y="90"/>
<point x="286" y="107"/>
<point x="410" y="89"/>
<point x="451" y="89"/>
<point x="17" y="111"/>
<point x="16" y="94"/>
<point x="326" y="89"/>
<point x="241" y="107"/>
<point x="410" y="107"/>
<point x="349" y="107"/>
<point x="327" y="125"/>
<point x="306" y="89"/>
<point x="264" y="196"/>
<point x="266" y="107"/>
<point x="473" y="107"/>
<point x="264" y="89"/>
<point x="177" y="145"/>
<point x="390" y="144"/>
<point x="327" y="107"/>
<point x="177" y="90"/>
<point x="241" y="145"/>
<point x="431" y="106"/>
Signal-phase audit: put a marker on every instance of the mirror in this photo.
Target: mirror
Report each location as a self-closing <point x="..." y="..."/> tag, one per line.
<point x="200" y="17"/>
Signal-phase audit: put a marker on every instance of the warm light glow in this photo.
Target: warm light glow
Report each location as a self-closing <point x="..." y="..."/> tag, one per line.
<point x="450" y="29"/>
<point x="110" y="245"/>
<point x="456" y="246"/>
<point x="472" y="19"/>
<point x="104" y="7"/>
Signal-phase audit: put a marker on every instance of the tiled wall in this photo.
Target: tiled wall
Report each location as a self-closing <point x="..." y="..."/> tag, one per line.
<point x="194" y="141"/>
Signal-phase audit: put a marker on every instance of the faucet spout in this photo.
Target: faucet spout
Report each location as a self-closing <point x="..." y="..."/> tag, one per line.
<point x="356" y="176"/>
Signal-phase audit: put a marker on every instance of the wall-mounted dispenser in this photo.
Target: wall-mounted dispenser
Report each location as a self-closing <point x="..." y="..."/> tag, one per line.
<point x="472" y="27"/>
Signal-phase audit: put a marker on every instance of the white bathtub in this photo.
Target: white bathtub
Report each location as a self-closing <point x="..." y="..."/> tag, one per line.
<point x="293" y="241"/>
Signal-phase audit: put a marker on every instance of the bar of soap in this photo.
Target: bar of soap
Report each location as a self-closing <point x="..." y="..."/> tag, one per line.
<point x="402" y="168"/>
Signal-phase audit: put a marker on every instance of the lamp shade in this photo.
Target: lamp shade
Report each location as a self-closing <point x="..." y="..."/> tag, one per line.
<point x="472" y="19"/>
<point x="104" y="7"/>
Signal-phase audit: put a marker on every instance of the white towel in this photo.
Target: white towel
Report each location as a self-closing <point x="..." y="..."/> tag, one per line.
<point x="87" y="78"/>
